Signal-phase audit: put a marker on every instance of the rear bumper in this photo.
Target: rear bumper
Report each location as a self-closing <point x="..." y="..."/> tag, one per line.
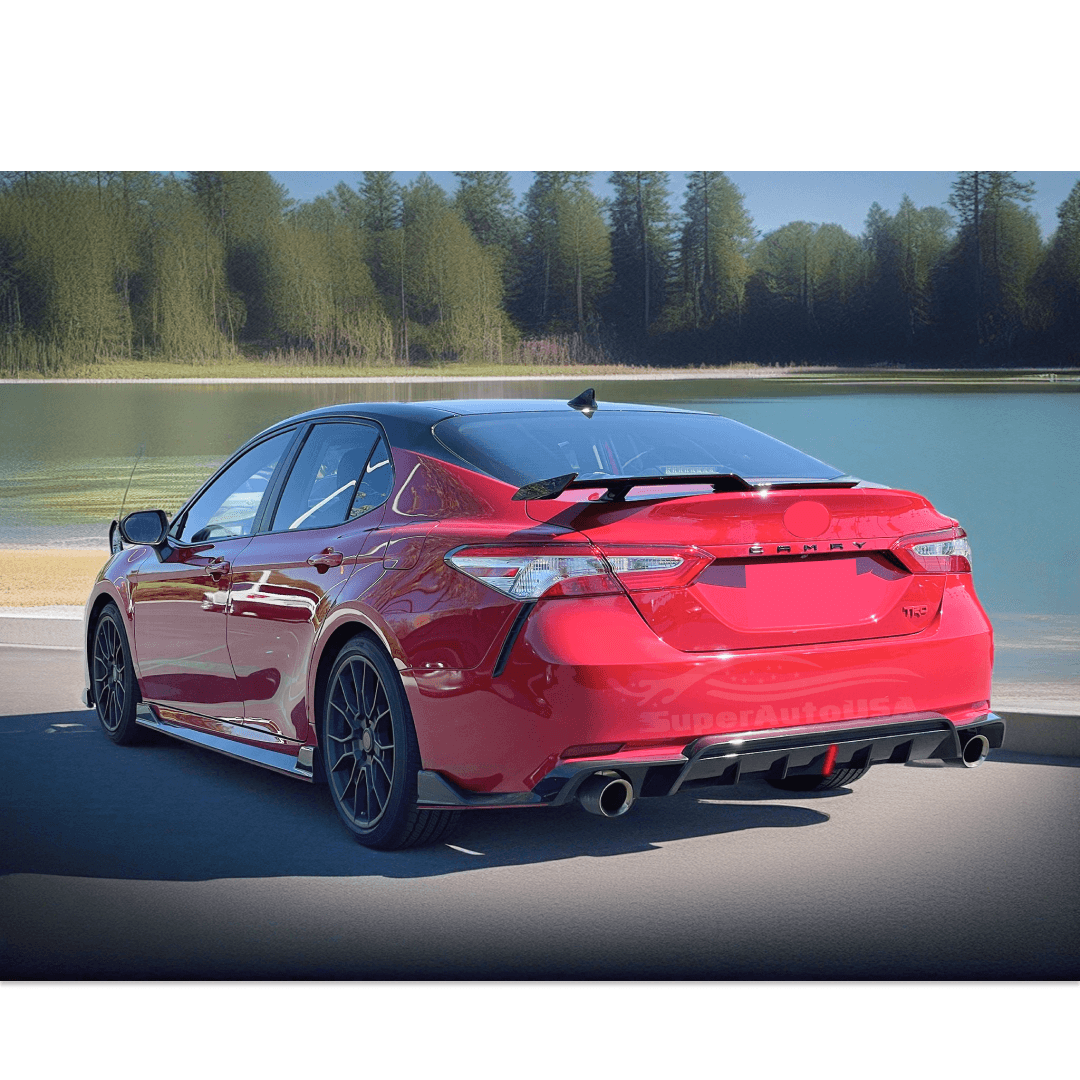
<point x="722" y="761"/>
<point x="589" y="672"/>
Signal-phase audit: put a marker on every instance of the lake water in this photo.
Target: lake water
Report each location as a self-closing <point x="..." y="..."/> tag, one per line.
<point x="1005" y="462"/>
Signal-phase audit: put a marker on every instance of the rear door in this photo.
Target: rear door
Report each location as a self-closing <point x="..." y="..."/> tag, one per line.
<point x="318" y="533"/>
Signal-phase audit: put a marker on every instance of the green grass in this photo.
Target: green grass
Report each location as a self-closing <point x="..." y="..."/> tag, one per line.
<point x="262" y="369"/>
<point x="256" y="369"/>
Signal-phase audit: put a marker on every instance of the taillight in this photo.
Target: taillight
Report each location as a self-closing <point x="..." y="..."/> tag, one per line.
<point x="640" y="568"/>
<point x="937" y="553"/>
<point x="526" y="574"/>
<point x="529" y="573"/>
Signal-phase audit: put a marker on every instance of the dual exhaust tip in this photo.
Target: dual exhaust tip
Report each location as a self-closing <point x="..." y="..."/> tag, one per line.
<point x="606" y="794"/>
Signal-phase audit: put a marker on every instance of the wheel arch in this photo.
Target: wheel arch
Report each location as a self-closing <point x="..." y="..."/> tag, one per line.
<point x="336" y="633"/>
<point x="107" y="593"/>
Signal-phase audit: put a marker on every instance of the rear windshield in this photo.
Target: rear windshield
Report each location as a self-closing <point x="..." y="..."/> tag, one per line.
<point x="523" y="447"/>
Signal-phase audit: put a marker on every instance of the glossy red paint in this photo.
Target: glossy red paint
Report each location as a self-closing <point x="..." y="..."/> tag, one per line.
<point x="789" y="608"/>
<point x="180" y="609"/>
<point x="282" y="591"/>
<point x="592" y="671"/>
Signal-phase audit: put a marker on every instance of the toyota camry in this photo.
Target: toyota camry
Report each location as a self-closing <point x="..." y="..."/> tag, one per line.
<point x="439" y="606"/>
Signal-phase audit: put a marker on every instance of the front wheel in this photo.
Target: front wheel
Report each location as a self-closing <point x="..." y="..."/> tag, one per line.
<point x="112" y="676"/>
<point x="371" y="754"/>
<point x="838" y="779"/>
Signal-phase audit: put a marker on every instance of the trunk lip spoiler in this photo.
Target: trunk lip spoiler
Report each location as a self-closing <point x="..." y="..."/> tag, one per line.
<point x="618" y="487"/>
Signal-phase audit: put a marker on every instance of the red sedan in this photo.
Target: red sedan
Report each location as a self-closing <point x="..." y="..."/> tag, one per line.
<point x="437" y="606"/>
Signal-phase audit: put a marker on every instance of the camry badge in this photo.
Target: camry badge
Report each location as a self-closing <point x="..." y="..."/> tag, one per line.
<point x="802" y="549"/>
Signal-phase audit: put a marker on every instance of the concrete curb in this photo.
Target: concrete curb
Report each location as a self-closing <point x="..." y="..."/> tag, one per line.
<point x="43" y="631"/>
<point x="1045" y="734"/>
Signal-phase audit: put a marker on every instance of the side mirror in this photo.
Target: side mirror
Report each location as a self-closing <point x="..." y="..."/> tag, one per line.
<point x="145" y="527"/>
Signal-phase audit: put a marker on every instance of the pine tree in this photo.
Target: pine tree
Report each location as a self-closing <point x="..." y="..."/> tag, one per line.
<point x="883" y="295"/>
<point x="904" y="253"/>
<point x="984" y="286"/>
<point x="642" y="249"/>
<point x="716" y="240"/>
<point x="380" y="211"/>
<point x="805" y="291"/>
<point x="1058" y="284"/>
<point x="380" y="194"/>
<point x="567" y="264"/>
<point x="485" y="201"/>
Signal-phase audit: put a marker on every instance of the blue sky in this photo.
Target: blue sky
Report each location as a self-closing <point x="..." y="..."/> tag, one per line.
<point x="774" y="198"/>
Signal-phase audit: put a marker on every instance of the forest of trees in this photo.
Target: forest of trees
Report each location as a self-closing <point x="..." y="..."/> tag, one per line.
<point x="210" y="266"/>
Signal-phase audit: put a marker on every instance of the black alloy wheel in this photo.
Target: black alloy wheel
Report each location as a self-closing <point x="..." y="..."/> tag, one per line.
<point x="112" y="679"/>
<point x="370" y="752"/>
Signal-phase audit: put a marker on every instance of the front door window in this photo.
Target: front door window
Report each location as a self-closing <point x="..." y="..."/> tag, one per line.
<point x="229" y="505"/>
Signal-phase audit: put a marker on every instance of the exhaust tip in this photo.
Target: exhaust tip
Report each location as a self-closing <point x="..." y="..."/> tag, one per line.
<point x="974" y="751"/>
<point x="606" y="794"/>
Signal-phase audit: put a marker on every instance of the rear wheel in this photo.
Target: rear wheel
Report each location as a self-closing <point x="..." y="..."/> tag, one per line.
<point x="840" y="778"/>
<point x="370" y="752"/>
<point x="112" y="678"/>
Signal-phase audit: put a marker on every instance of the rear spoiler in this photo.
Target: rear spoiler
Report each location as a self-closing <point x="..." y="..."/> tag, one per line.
<point x="618" y="487"/>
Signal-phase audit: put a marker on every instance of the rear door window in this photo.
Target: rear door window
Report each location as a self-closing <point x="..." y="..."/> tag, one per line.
<point x="332" y="479"/>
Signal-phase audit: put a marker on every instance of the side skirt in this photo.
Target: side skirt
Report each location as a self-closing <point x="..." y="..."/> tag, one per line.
<point x="300" y="766"/>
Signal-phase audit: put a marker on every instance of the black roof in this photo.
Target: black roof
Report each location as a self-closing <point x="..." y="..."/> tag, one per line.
<point x="479" y="406"/>
<point x="430" y="412"/>
<point x="426" y="413"/>
<point x="408" y="424"/>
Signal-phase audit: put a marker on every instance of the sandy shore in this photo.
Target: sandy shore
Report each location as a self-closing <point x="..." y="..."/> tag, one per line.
<point x="38" y="577"/>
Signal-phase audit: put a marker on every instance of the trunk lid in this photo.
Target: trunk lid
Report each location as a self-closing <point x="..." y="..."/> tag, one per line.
<point x="790" y="567"/>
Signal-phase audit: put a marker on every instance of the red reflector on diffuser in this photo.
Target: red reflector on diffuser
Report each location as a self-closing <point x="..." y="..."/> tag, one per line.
<point x="830" y="761"/>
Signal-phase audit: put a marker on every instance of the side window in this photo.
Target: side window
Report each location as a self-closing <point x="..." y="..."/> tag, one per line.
<point x="376" y="483"/>
<point x="229" y="505"/>
<point x="328" y="478"/>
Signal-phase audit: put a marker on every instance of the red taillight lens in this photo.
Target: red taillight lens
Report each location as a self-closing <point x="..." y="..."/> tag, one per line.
<point x="529" y="573"/>
<point x="937" y="553"/>
<point x="640" y="568"/>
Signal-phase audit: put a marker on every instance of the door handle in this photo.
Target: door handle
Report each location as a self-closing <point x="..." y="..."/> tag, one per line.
<point x="218" y="568"/>
<point x="324" y="560"/>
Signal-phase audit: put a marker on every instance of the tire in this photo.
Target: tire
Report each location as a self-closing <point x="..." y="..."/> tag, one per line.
<point x="370" y="753"/>
<point x="112" y="679"/>
<point x="838" y="779"/>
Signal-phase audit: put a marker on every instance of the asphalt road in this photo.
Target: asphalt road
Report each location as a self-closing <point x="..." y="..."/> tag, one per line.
<point x="166" y="861"/>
